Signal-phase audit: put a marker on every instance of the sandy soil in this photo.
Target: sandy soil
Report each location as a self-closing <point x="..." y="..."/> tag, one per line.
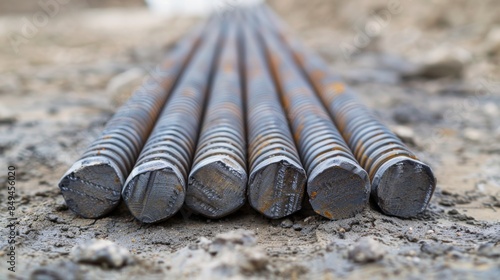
<point x="64" y="83"/>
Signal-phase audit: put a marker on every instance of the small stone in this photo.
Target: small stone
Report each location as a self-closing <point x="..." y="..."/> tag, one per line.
<point x="444" y="68"/>
<point x="60" y="271"/>
<point x="52" y="110"/>
<point x="443" y="62"/>
<point x="445" y="192"/>
<point x="378" y="76"/>
<point x="458" y="88"/>
<point x="55" y="219"/>
<point x="405" y="133"/>
<point x="491" y="109"/>
<point x="435" y="249"/>
<point x="446" y="202"/>
<point x="366" y="250"/>
<point x="411" y="237"/>
<point x="61" y="206"/>
<point x="462" y="217"/>
<point x="453" y="212"/>
<point x="472" y="134"/>
<point x="7" y="120"/>
<point x="297" y="227"/>
<point x="231" y="239"/>
<point x="286" y="223"/>
<point x="489" y="250"/>
<point x="102" y="252"/>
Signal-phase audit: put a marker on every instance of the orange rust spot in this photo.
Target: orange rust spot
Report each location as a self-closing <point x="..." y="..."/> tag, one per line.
<point x="179" y="188"/>
<point x="298" y="131"/>
<point x="313" y="195"/>
<point x="337" y="88"/>
<point x="317" y="75"/>
<point x="328" y="215"/>
<point x="228" y="68"/>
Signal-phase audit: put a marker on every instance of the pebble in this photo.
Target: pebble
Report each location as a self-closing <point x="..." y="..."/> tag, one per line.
<point x="492" y="42"/>
<point x="472" y="134"/>
<point x="286" y="223"/>
<point x="444" y="68"/>
<point x="366" y="250"/>
<point x="378" y="76"/>
<point x="443" y="62"/>
<point x="384" y="61"/>
<point x="408" y="114"/>
<point x="102" y="252"/>
<point x="61" y="205"/>
<point x="489" y="250"/>
<point x="405" y="133"/>
<point x="446" y="202"/>
<point x="7" y="120"/>
<point x="297" y="227"/>
<point x="231" y="239"/>
<point x="453" y="212"/>
<point x="59" y="271"/>
<point x="435" y="249"/>
<point x="55" y="219"/>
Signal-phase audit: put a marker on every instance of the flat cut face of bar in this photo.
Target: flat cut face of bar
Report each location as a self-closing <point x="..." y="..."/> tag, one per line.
<point x="277" y="189"/>
<point x="339" y="190"/>
<point x="91" y="191"/>
<point x="403" y="187"/>
<point x="216" y="188"/>
<point x="155" y="195"/>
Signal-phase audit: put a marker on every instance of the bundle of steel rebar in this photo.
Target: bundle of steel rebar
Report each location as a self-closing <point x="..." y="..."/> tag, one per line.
<point x="245" y="112"/>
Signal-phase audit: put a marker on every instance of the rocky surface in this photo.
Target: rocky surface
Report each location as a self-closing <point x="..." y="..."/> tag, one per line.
<point x="66" y="81"/>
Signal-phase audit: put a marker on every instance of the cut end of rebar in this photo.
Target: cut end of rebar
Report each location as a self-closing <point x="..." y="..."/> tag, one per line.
<point x="276" y="188"/>
<point x="92" y="188"/>
<point x="154" y="192"/>
<point x="338" y="189"/>
<point x="403" y="187"/>
<point x="216" y="187"/>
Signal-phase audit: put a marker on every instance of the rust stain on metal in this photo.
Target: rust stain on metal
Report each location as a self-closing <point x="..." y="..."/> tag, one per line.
<point x="401" y="184"/>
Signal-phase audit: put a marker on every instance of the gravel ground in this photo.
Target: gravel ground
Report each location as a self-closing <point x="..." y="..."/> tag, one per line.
<point x="428" y="69"/>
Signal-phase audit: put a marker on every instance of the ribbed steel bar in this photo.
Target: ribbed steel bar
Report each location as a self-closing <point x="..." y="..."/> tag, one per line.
<point x="337" y="186"/>
<point x="277" y="179"/>
<point x="218" y="178"/>
<point x="401" y="184"/>
<point x="92" y="186"/>
<point x="156" y="187"/>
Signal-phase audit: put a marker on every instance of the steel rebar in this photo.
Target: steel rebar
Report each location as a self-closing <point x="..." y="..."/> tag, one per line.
<point x="402" y="185"/>
<point x="217" y="181"/>
<point x="337" y="186"/>
<point x="93" y="185"/>
<point x="155" y="189"/>
<point x="277" y="179"/>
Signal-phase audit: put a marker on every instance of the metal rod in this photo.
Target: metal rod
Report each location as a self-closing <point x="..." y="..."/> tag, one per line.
<point x="402" y="185"/>
<point x="156" y="187"/>
<point x="93" y="185"/>
<point x="277" y="179"/>
<point x="218" y="178"/>
<point x="337" y="186"/>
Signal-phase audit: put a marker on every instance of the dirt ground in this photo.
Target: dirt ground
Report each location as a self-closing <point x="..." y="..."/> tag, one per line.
<point x="428" y="69"/>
